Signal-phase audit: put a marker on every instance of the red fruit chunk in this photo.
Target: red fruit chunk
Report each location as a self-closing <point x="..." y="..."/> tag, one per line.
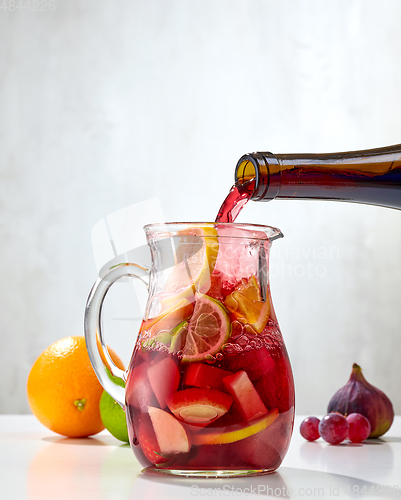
<point x="199" y="406"/>
<point x="214" y="286"/>
<point x="170" y="434"/>
<point x="359" y="427"/>
<point x="267" y="449"/>
<point x="333" y="428"/>
<point x="256" y="363"/>
<point x="310" y="428"/>
<point x="200" y="375"/>
<point x="148" y="442"/>
<point x="140" y="394"/>
<point x="276" y="387"/>
<point x="227" y="287"/>
<point x="164" y="378"/>
<point x="245" y="395"/>
<point x="220" y="286"/>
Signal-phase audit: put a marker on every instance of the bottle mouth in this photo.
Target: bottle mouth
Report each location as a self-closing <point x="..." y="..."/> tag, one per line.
<point x="252" y="172"/>
<point x="260" y="171"/>
<point x="246" y="171"/>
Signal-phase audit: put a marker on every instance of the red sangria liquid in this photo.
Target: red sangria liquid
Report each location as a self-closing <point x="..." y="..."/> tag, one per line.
<point x="235" y="414"/>
<point x="210" y="387"/>
<point x="237" y="198"/>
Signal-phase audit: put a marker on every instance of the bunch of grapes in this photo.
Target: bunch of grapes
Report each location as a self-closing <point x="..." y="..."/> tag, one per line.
<point x="335" y="428"/>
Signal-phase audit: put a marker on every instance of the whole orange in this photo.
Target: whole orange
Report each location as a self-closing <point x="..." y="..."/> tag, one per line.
<point x="63" y="390"/>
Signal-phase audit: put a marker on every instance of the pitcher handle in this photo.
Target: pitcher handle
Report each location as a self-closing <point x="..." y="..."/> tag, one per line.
<point x="95" y="344"/>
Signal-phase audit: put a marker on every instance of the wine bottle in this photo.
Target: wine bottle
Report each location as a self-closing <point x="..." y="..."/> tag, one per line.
<point x="371" y="176"/>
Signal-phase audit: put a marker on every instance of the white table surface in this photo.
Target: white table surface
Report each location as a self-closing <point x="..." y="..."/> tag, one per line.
<point x="38" y="464"/>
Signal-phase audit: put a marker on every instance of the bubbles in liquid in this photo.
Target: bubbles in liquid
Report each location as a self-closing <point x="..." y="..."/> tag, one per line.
<point x="210" y="359"/>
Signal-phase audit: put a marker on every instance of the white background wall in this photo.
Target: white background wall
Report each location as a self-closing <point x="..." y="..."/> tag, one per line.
<point x="104" y="104"/>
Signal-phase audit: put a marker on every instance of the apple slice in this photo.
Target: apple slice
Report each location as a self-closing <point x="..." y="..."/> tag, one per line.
<point x="245" y="395"/>
<point x="170" y="434"/>
<point x="241" y="432"/>
<point x="201" y="375"/>
<point x="140" y="394"/>
<point x="199" y="406"/>
<point x="164" y="378"/>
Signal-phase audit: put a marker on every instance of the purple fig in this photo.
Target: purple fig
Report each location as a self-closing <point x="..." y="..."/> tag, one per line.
<point x="358" y="396"/>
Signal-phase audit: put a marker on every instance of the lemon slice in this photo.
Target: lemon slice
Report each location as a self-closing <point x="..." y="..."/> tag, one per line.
<point x="208" y="329"/>
<point x="246" y="304"/>
<point x="191" y="274"/>
<point x="232" y="436"/>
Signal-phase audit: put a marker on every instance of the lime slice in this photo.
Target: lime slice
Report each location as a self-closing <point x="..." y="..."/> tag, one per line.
<point x="208" y="329"/>
<point x="178" y="335"/>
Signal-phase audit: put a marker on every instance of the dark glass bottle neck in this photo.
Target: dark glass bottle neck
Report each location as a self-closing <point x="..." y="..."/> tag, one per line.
<point x="369" y="176"/>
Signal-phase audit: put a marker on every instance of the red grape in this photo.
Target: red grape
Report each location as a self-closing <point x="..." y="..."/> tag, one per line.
<point x="310" y="428"/>
<point x="359" y="427"/>
<point x="333" y="428"/>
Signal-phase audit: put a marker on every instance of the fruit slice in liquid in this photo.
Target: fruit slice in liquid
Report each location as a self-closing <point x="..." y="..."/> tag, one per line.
<point x="230" y="440"/>
<point x="220" y="379"/>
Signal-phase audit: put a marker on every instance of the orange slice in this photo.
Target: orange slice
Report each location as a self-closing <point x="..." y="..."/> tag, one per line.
<point x="247" y="306"/>
<point x="170" y="318"/>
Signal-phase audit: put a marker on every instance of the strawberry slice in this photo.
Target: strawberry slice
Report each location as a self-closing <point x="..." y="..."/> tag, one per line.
<point x="164" y="378"/>
<point x="201" y="375"/>
<point x="245" y="395"/>
<point x="198" y="406"/>
<point x="148" y="443"/>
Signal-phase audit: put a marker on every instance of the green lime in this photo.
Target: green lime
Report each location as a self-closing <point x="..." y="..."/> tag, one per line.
<point x="113" y="417"/>
<point x="111" y="413"/>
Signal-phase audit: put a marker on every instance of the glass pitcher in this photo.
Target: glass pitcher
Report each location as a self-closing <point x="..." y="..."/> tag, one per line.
<point x="209" y="389"/>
